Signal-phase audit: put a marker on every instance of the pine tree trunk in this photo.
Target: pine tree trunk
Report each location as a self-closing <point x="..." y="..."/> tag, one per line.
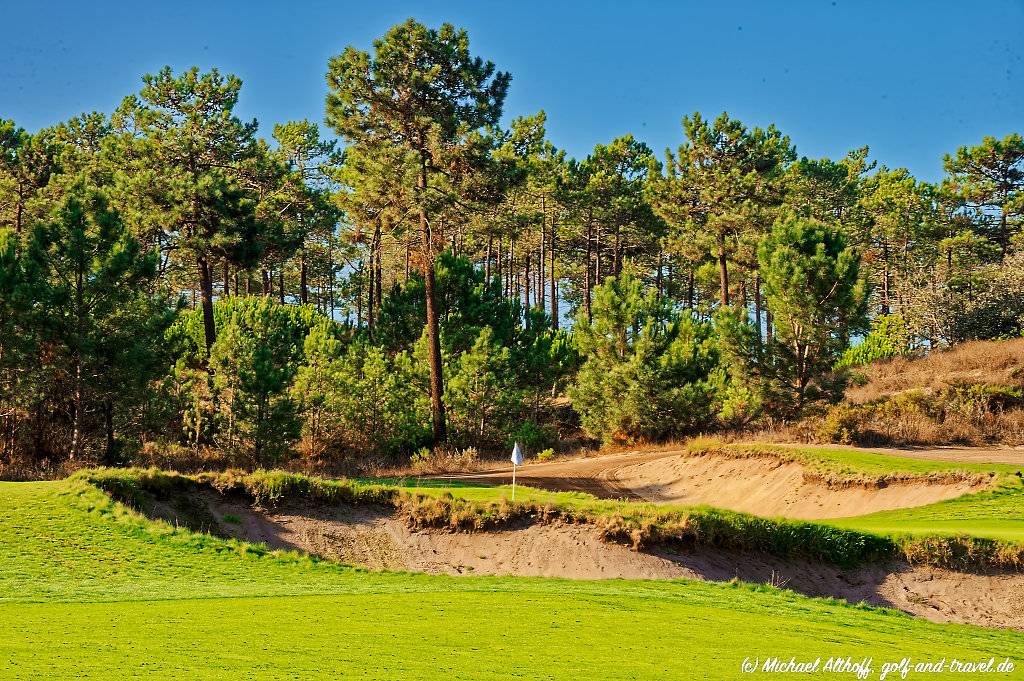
<point x="723" y="273"/>
<point x="227" y="279"/>
<point x="378" y="278"/>
<point x="526" y="284"/>
<point x="510" y="269"/>
<point x="487" y="261"/>
<point x="617" y="253"/>
<point x="433" y="327"/>
<point x="280" y="284"/>
<point x="303" y="279"/>
<point x="76" y="421"/>
<point x="206" y="293"/>
<point x="757" y="305"/>
<point x="497" y="265"/>
<point x="370" y="294"/>
<point x="540" y="268"/>
<point x="108" y="421"/>
<point x="586" y="277"/>
<point x="553" y="283"/>
<point x="659" y="284"/>
<point x="359" y="296"/>
<point x="691" y="287"/>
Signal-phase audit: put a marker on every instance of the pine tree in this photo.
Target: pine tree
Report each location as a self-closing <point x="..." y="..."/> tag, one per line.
<point x="815" y="292"/>
<point x="190" y="164"/>
<point x="422" y="93"/>
<point x="990" y="179"/>
<point x="96" y="306"/>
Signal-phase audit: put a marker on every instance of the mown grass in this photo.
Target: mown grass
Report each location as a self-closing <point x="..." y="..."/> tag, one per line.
<point x="997" y="514"/>
<point x="89" y="588"/>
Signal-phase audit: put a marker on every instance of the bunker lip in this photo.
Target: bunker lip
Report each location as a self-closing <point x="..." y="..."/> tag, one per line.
<point x="376" y="537"/>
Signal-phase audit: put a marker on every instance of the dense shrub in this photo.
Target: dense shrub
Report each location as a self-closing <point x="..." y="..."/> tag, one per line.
<point x="964" y="413"/>
<point x="357" y="399"/>
<point x="889" y="338"/>
<point x="239" y="399"/>
<point x="648" y="373"/>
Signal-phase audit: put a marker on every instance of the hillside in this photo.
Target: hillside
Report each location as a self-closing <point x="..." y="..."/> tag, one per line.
<point x="971" y="394"/>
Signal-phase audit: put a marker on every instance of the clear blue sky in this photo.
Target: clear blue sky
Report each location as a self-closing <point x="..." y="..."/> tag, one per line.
<point x="911" y="79"/>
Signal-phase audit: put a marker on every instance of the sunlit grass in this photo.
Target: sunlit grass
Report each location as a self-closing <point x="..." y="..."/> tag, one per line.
<point x="87" y="587"/>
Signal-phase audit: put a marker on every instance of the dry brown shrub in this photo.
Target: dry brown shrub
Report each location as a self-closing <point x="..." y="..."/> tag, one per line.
<point x="984" y="362"/>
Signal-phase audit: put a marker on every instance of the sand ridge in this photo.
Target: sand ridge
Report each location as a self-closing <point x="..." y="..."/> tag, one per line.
<point x="769" y="487"/>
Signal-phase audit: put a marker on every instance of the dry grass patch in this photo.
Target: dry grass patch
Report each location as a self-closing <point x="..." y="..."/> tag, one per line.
<point x="978" y="362"/>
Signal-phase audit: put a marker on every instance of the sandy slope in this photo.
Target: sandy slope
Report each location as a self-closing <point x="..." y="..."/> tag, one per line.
<point x="769" y="487"/>
<point x="375" y="538"/>
<point x="755" y="485"/>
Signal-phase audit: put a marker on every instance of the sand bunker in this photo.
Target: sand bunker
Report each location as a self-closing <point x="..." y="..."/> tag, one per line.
<point x="770" y="487"/>
<point x="375" y="538"/>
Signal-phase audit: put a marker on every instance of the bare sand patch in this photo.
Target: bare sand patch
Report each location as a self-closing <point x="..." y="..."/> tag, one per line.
<point x="770" y="487"/>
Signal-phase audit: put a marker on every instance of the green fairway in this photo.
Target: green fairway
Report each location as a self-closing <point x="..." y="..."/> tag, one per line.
<point x="997" y="514"/>
<point x="853" y="463"/>
<point x="89" y="588"/>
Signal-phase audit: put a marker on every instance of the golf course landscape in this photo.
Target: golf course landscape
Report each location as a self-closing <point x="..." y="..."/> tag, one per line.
<point x="88" y="586"/>
<point x="573" y="341"/>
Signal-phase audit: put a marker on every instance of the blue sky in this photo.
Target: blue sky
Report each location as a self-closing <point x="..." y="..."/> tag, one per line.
<point x="913" y="79"/>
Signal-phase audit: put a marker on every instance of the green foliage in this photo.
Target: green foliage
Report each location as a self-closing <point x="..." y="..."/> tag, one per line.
<point x="813" y="288"/>
<point x="252" y="363"/>
<point x="87" y="285"/>
<point x="647" y="372"/>
<point x="479" y="217"/>
<point x="723" y="178"/>
<point x="483" y="402"/>
<point x="466" y="304"/>
<point x="888" y="338"/>
<point x="989" y="179"/>
<point x="240" y="401"/>
<point x="359" y="400"/>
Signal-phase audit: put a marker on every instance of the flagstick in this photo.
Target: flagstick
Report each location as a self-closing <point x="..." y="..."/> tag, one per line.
<point x="513" y="481"/>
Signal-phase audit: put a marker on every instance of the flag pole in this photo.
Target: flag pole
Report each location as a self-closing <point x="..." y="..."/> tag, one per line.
<point x="517" y="459"/>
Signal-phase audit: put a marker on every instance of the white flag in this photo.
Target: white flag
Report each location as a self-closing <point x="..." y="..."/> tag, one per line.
<point x="517" y="455"/>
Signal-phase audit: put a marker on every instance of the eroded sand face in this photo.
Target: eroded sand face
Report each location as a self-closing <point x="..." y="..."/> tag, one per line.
<point x="375" y="538"/>
<point x="769" y="487"/>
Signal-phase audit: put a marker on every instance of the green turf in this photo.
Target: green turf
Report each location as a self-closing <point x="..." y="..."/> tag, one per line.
<point x="90" y="589"/>
<point x="998" y="514"/>
<point x="857" y="463"/>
